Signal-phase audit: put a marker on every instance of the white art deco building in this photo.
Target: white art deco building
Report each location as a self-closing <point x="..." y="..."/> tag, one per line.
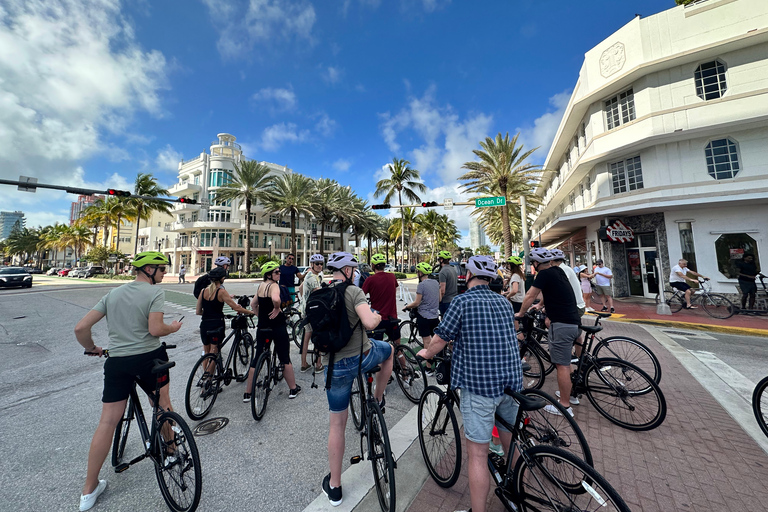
<point x="666" y="133"/>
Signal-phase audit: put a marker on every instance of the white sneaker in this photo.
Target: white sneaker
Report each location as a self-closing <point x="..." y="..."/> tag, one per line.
<point x="87" y="501"/>
<point x="551" y="409"/>
<point x="573" y="400"/>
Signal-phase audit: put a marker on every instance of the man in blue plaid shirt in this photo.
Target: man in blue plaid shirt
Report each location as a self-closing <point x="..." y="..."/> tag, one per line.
<point x="486" y="360"/>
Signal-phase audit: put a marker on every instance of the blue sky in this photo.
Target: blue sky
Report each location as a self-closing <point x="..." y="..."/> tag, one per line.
<point x="94" y="91"/>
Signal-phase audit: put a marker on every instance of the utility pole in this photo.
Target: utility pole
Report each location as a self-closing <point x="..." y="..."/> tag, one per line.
<point x="524" y="224"/>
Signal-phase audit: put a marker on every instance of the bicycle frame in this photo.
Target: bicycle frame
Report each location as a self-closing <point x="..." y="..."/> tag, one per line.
<point x="134" y="410"/>
<point x="238" y="333"/>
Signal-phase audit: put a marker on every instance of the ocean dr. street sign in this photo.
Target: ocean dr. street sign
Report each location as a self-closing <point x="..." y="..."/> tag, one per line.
<point x="484" y="202"/>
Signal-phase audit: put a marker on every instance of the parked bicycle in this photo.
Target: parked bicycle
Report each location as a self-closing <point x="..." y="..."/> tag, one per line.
<point x="167" y="442"/>
<point x="293" y="318"/>
<point x="267" y="375"/>
<point x="760" y="404"/>
<point x="409" y="332"/>
<point x="715" y="305"/>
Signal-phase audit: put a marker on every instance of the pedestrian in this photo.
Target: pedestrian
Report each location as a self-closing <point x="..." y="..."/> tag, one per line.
<point x="182" y="274"/>
<point x="747" y="273"/>
<point x="312" y="281"/>
<point x="678" y="277"/>
<point x="603" y="277"/>
<point x="288" y="274"/>
<point x="586" y="286"/>
<point x="448" y="281"/>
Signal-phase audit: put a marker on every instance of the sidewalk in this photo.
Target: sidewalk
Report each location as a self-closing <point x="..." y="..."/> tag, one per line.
<point x="699" y="459"/>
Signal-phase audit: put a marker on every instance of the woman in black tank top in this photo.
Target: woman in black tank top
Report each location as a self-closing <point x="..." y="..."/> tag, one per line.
<point x="210" y="304"/>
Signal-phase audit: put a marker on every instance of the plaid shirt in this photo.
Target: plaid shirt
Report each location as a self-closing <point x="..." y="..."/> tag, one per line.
<point x="486" y="357"/>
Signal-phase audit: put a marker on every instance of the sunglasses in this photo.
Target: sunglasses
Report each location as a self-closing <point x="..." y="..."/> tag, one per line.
<point x="317" y="263"/>
<point x="275" y="271"/>
<point x="161" y="269"/>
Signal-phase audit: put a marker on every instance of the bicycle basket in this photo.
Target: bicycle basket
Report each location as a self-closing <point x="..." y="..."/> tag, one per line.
<point x="240" y="322"/>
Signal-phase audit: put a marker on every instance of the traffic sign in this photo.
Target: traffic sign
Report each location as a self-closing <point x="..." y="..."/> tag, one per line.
<point x="485" y="202"/>
<point x="448" y="203"/>
<point x="30" y="184"/>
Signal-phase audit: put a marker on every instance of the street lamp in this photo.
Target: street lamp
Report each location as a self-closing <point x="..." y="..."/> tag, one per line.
<point x="270" y="249"/>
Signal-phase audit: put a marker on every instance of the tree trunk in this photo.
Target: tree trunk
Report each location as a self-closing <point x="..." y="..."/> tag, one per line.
<point x="505" y="226"/>
<point x="247" y="262"/>
<point x="321" y="245"/>
<point x="402" y="232"/>
<point x="294" y="250"/>
<point x="117" y="244"/>
<point x="369" y="249"/>
<point x="138" y="220"/>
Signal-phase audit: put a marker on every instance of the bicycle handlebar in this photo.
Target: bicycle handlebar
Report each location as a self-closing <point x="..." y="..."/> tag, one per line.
<point x="106" y="350"/>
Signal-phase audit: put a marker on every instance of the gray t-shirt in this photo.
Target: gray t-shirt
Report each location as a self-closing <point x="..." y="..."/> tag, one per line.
<point x="520" y="295"/>
<point x="353" y="297"/>
<point x="448" y="276"/>
<point x="430" y="297"/>
<point x="127" y="308"/>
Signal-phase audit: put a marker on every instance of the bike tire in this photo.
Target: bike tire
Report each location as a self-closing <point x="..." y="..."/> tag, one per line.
<point x="357" y="403"/>
<point x="411" y="377"/>
<point x="543" y="428"/>
<point x="121" y="435"/>
<point x="595" y="298"/>
<point x="297" y="333"/>
<point x="202" y="388"/>
<point x="439" y="437"/>
<point x="261" y="386"/>
<point x="760" y="404"/>
<point x="178" y="473"/>
<point x="620" y="391"/>
<point x="632" y="351"/>
<point x="717" y="306"/>
<point x="533" y="378"/>
<point x="409" y="333"/>
<point x="675" y="302"/>
<point x="241" y="362"/>
<point x="381" y="458"/>
<point x="547" y="478"/>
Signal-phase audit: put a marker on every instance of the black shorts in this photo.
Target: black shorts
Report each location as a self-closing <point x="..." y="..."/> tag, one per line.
<point x="683" y="287"/>
<point x="282" y="344"/>
<point x="391" y="328"/>
<point x="426" y="326"/>
<point x="516" y="306"/>
<point x="212" y="331"/>
<point x="748" y="287"/>
<point x="121" y="372"/>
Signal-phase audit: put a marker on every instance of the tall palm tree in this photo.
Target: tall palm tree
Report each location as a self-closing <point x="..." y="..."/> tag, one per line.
<point x="77" y="237"/>
<point x="403" y="180"/>
<point x="290" y="194"/>
<point x="249" y="181"/>
<point x="345" y="211"/>
<point x="97" y="215"/>
<point x="372" y="229"/>
<point x="502" y="166"/>
<point x="141" y="209"/>
<point x="327" y="192"/>
<point x="119" y="210"/>
<point x="386" y="228"/>
<point x="23" y="242"/>
<point x="405" y="225"/>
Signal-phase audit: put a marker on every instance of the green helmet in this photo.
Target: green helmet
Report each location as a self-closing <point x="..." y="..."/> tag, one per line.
<point x="378" y="258"/>
<point x="424" y="268"/>
<point x="444" y="255"/>
<point x="516" y="260"/>
<point x="269" y="267"/>
<point x="149" y="258"/>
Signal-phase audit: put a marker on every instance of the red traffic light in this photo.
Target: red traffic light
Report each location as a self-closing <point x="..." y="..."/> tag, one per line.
<point x="118" y="193"/>
<point x="187" y="200"/>
<point x="380" y="207"/>
<point x="534" y="244"/>
<point x="429" y="204"/>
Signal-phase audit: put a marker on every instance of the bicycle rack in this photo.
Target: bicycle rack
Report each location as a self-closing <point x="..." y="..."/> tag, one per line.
<point x="405" y="294"/>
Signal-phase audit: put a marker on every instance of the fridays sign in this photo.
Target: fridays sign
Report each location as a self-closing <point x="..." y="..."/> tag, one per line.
<point x="618" y="232"/>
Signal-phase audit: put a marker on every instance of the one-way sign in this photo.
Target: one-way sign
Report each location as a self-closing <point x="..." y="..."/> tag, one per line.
<point x="448" y="203"/>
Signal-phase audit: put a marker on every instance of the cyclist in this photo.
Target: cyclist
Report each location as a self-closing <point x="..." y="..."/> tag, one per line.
<point x="426" y="304"/>
<point x="288" y="273"/>
<point x="134" y="314"/>
<point x="678" y="277"/>
<point x="486" y="361"/>
<point x="204" y="280"/>
<point x="210" y="304"/>
<point x="345" y="368"/>
<point x="747" y="270"/>
<point x="271" y="326"/>
<point x="313" y="281"/>
<point x="381" y="287"/>
<point x="516" y="288"/>
<point x="448" y="281"/>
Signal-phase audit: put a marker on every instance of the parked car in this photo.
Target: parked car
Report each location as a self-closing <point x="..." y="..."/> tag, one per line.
<point x="15" y="276"/>
<point x="76" y="272"/>
<point x="33" y="270"/>
<point x="91" y="271"/>
<point x="64" y="272"/>
<point x="52" y="271"/>
<point x="389" y="268"/>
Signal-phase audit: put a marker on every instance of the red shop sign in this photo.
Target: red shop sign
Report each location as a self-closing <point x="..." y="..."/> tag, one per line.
<point x="618" y="232"/>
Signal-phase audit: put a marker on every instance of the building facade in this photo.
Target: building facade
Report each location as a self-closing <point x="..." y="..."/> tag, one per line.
<point x="77" y="207"/>
<point x="476" y="234"/>
<point x="666" y="134"/>
<point x="9" y="220"/>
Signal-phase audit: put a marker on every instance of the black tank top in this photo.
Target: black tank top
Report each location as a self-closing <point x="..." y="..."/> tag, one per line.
<point x="265" y="308"/>
<point x="213" y="309"/>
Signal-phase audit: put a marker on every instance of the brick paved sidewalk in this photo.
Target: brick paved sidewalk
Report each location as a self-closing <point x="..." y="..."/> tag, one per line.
<point x="698" y="460"/>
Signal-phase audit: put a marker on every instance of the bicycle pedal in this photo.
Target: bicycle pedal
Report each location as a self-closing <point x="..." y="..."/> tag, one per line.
<point x="122" y="467"/>
<point x="356" y="459"/>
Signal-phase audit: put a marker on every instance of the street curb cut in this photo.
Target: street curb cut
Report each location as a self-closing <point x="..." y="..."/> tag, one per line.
<point x="747" y="331"/>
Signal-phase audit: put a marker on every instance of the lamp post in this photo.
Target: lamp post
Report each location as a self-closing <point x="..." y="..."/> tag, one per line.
<point x="270" y="249"/>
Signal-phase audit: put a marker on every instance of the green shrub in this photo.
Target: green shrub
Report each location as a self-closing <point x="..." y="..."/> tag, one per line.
<point x="400" y="275"/>
<point x="118" y="277"/>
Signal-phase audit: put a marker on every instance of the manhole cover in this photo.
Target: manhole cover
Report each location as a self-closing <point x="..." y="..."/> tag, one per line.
<point x="210" y="426"/>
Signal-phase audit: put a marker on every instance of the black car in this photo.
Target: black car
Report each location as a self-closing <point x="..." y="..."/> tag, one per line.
<point x="15" y="276"/>
<point x="32" y="270"/>
<point x="91" y="271"/>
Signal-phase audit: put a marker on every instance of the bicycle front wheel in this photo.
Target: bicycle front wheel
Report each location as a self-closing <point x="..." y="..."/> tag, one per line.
<point x="381" y="459"/>
<point x="410" y="374"/>
<point x="760" y="404"/>
<point x="548" y="478"/>
<point x="409" y="334"/>
<point x="675" y="302"/>
<point x="718" y="306"/>
<point x="439" y="437"/>
<point x="261" y="386"/>
<point x="121" y="435"/>
<point x="533" y="378"/>
<point x="357" y="403"/>
<point x="202" y="387"/>
<point x="625" y="394"/>
<point x="242" y="360"/>
<point x="177" y="463"/>
<point x="631" y="351"/>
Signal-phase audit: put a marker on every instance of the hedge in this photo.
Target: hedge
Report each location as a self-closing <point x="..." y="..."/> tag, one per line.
<point x="116" y="277"/>
<point x="400" y="275"/>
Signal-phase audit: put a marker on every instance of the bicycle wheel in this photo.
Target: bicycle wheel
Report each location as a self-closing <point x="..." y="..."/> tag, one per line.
<point x="625" y="394"/>
<point x="760" y="404"/>
<point x="409" y="335"/>
<point x="676" y="302"/>
<point x="595" y="298"/>
<point x="533" y="378"/>
<point x="381" y="459"/>
<point x="121" y="435"/>
<point x="357" y="403"/>
<point x="559" y="431"/>
<point x="410" y="374"/>
<point x="202" y="387"/>
<point x="439" y="437"/>
<point x="297" y="333"/>
<point x="547" y="478"/>
<point x="241" y="362"/>
<point x="177" y="463"/>
<point x="261" y="386"/>
<point x="718" y="306"/>
<point x="632" y="351"/>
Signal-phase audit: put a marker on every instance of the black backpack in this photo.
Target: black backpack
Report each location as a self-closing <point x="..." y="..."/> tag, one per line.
<point x="200" y="284"/>
<point x="326" y="312"/>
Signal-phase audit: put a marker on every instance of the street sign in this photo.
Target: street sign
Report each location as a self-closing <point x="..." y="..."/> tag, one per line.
<point x="448" y="203"/>
<point x="484" y="202"/>
<point x="31" y="184"/>
<point x="619" y="232"/>
<point x="112" y="259"/>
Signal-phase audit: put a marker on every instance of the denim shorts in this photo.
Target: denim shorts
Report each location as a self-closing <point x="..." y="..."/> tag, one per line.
<point x="345" y="372"/>
<point x="479" y="415"/>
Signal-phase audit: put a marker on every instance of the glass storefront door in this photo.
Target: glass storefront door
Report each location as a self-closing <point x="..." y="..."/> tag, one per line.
<point x="650" y="279"/>
<point x="635" y="272"/>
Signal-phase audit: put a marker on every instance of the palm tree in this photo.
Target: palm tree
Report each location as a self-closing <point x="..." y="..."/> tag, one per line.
<point x="141" y="209"/>
<point x="386" y="229"/>
<point x="99" y="214"/>
<point x="249" y="181"/>
<point x="290" y="194"/>
<point x="502" y="168"/>
<point x="327" y="193"/>
<point x="77" y="237"/>
<point x="119" y="210"/>
<point x="429" y="223"/>
<point x="407" y="219"/>
<point x="403" y="180"/>
<point x="22" y="241"/>
<point x="345" y="211"/>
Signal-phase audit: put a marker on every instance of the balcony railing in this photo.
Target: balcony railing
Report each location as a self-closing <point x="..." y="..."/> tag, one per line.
<point x="226" y="143"/>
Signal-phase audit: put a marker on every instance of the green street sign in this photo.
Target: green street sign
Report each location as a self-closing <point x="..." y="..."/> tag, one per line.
<point x="485" y="202"/>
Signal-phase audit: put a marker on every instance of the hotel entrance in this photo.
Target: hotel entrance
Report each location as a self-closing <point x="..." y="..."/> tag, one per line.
<point x="644" y="277"/>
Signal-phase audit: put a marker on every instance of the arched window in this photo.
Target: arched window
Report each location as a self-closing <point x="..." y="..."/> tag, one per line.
<point x="722" y="159"/>
<point x="710" y="80"/>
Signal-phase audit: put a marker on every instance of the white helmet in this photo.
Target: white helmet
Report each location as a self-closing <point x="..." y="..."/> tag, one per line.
<point x="482" y="266"/>
<point x="541" y="254"/>
<point x="222" y="260"/>
<point x="339" y="260"/>
<point x="557" y="254"/>
<point x="317" y="258"/>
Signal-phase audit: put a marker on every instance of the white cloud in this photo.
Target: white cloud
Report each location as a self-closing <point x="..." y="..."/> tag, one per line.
<point x="325" y="126"/>
<point x="332" y="75"/>
<point x="276" y="135"/>
<point x="342" y="164"/>
<point x="544" y="128"/>
<point x="279" y="100"/>
<point x="241" y="26"/>
<point x="168" y="159"/>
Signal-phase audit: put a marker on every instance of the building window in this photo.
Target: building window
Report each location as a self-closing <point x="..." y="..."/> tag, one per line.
<point x="722" y="159"/>
<point x="219" y="216"/>
<point x="627" y="175"/>
<point x="710" y="80"/>
<point x="212" y="201"/>
<point x="687" y="249"/>
<point x="731" y="248"/>
<point x="219" y="178"/>
<point x="620" y="109"/>
<point x="207" y="236"/>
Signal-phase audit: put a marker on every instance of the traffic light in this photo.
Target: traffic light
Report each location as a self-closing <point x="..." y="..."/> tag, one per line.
<point x="380" y="207"/>
<point x="534" y="244"/>
<point x="187" y="200"/>
<point x="118" y="193"/>
<point x="429" y="204"/>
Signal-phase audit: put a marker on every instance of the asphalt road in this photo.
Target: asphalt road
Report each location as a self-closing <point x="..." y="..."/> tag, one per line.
<point x="50" y="407"/>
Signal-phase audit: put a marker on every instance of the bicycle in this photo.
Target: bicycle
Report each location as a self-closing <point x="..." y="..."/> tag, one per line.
<point x="293" y="318"/>
<point x="409" y="332"/>
<point x="210" y="371"/>
<point x="168" y="442"/>
<point x="760" y="404"/>
<point x="714" y="304"/>
<point x="267" y="375"/>
<point x="761" y="299"/>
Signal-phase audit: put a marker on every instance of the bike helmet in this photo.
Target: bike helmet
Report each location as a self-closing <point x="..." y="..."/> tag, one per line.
<point x="150" y="258"/>
<point x="339" y="260"/>
<point x="317" y="258"/>
<point x="217" y="274"/>
<point x="557" y="254"/>
<point x="482" y="266"/>
<point x="541" y="255"/>
<point x="424" y="267"/>
<point x="516" y="260"/>
<point x="269" y="267"/>
<point x="378" y="259"/>
<point x="445" y="255"/>
<point x="222" y="260"/>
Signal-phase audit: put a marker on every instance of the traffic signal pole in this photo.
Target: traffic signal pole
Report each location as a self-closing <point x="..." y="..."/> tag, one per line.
<point x="32" y="186"/>
<point x="524" y="223"/>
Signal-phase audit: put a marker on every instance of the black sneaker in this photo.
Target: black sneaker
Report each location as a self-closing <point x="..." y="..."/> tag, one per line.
<point x="382" y="404"/>
<point x="605" y="308"/>
<point x="333" y="493"/>
<point x="294" y="392"/>
<point x="613" y="310"/>
<point x="246" y="397"/>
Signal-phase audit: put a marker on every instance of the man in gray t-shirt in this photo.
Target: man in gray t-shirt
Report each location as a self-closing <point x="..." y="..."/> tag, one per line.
<point x="448" y="281"/>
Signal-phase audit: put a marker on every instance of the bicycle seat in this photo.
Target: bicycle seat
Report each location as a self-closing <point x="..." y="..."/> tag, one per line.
<point x="591" y="329"/>
<point x="525" y="402"/>
<point x="599" y="313"/>
<point x="374" y="370"/>
<point x="161" y="366"/>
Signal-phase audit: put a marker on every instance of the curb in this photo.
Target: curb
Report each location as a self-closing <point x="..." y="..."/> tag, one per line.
<point x="747" y="331"/>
